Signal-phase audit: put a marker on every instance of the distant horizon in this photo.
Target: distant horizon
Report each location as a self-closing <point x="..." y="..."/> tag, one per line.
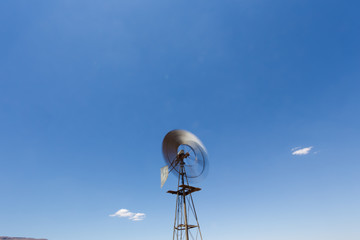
<point x="20" y="238"/>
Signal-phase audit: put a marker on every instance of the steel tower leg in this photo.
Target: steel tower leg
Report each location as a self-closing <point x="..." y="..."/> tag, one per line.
<point x="184" y="203"/>
<point x="185" y="215"/>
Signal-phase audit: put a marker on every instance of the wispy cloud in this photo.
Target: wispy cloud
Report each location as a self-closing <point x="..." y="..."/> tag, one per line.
<point x="130" y="215"/>
<point x="301" y="151"/>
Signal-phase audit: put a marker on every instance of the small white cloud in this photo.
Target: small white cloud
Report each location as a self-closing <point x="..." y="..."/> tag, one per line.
<point x="301" y="151"/>
<point x="138" y="217"/>
<point x="130" y="215"/>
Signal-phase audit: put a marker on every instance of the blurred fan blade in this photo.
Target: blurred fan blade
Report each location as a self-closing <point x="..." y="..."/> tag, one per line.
<point x="196" y="160"/>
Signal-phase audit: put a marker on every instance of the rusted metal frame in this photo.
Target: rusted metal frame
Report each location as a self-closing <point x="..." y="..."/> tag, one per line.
<point x="182" y="226"/>
<point x="193" y="213"/>
<point x="182" y="192"/>
<point x="184" y="199"/>
<point x="193" y="205"/>
<point x="176" y="208"/>
<point x="190" y="187"/>
<point x="182" y="210"/>
<point x="171" y="165"/>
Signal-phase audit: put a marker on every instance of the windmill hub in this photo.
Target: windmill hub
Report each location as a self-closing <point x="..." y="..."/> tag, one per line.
<point x="182" y="155"/>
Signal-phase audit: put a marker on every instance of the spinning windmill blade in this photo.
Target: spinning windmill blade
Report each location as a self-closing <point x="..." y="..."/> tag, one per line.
<point x="195" y="163"/>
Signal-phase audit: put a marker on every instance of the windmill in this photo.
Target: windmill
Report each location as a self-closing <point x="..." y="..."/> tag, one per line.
<point x="186" y="158"/>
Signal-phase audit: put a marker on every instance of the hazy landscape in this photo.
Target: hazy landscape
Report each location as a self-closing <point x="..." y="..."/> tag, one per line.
<point x="20" y="238"/>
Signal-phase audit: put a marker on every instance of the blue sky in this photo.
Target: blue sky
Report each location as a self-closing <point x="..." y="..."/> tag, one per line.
<point x="88" y="90"/>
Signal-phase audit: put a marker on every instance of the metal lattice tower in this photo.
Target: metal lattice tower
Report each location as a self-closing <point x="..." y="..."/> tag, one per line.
<point x="186" y="224"/>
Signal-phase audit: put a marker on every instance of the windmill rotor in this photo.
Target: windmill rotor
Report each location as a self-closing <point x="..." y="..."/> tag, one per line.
<point x="195" y="158"/>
